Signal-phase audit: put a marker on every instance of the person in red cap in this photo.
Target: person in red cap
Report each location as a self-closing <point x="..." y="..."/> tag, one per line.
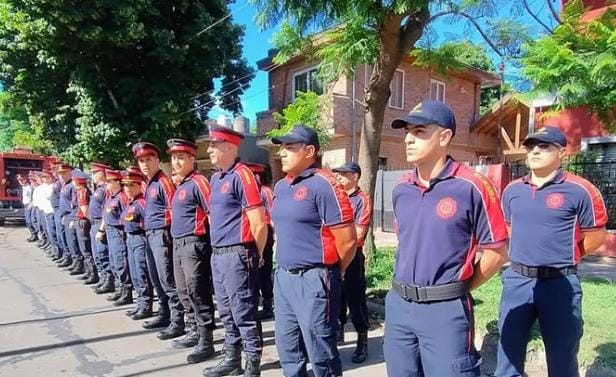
<point x="132" y="218"/>
<point x="55" y="203"/>
<point x="82" y="225"/>
<point x="113" y="229"/>
<point x="157" y="221"/>
<point x="64" y="208"/>
<point x="238" y="234"/>
<point x="95" y="215"/>
<point x="191" y="247"/>
<point x="266" y="284"/>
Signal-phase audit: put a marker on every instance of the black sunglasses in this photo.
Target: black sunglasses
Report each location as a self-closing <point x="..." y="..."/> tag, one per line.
<point x="542" y="146"/>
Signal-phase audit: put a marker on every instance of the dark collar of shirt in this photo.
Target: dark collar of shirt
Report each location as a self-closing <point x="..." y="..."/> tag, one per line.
<point x="355" y="192"/>
<point x="132" y="200"/>
<point x="230" y="170"/>
<point x="155" y="177"/>
<point x="112" y="195"/>
<point x="66" y="182"/>
<point x="309" y="172"/>
<point x="188" y="177"/>
<point x="448" y="171"/>
<point x="558" y="178"/>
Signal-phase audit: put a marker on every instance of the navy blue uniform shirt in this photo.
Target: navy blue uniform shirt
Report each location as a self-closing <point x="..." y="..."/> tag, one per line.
<point x="95" y="209"/>
<point x="233" y="193"/>
<point x="133" y="214"/>
<point x="158" y="196"/>
<point x="55" y="194"/>
<point x="305" y="209"/>
<point x="190" y="206"/>
<point x="441" y="226"/>
<point x="66" y="194"/>
<point x="114" y="206"/>
<point x="547" y="222"/>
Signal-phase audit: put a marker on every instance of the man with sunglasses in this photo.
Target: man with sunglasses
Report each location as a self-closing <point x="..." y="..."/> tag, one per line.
<point x="445" y="213"/>
<point x="554" y="218"/>
<point x="316" y="241"/>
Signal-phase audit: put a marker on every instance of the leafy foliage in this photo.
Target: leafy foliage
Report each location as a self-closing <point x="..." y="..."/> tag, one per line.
<point x="577" y="63"/>
<point x="308" y="109"/>
<point x="95" y="77"/>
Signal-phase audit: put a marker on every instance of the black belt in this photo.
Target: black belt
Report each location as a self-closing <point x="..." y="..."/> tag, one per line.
<point x="232" y="249"/>
<point x="430" y="293"/>
<point x="140" y="232"/>
<point x="543" y="272"/>
<point x="302" y="270"/>
<point x="181" y="241"/>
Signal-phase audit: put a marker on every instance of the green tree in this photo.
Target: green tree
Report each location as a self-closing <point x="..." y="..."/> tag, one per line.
<point x="99" y="75"/>
<point x="577" y="63"/>
<point x="308" y="109"/>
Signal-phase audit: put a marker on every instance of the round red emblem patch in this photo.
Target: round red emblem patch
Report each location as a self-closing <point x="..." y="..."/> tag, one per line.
<point x="446" y="208"/>
<point x="225" y="187"/>
<point x="301" y="193"/>
<point x="555" y="200"/>
<point x="153" y="193"/>
<point x="182" y="194"/>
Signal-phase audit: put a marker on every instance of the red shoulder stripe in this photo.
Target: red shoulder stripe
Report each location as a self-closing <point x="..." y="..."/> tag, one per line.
<point x="366" y="213"/>
<point x="249" y="184"/>
<point x="203" y="186"/>
<point x="598" y="205"/>
<point x="344" y="204"/>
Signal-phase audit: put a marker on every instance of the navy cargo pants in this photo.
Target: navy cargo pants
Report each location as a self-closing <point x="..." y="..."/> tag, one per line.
<point x="136" y="244"/>
<point x="354" y="294"/>
<point x="118" y="254"/>
<point x="429" y="338"/>
<point x="70" y="236"/>
<point x="99" y="249"/>
<point x="557" y="304"/>
<point x="235" y="276"/>
<point x="307" y="309"/>
<point x="193" y="278"/>
<point x="160" y="267"/>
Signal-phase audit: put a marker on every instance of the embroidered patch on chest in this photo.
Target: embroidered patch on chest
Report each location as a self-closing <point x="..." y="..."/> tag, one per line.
<point x="301" y="193"/>
<point x="446" y="208"/>
<point x="182" y="195"/>
<point x="555" y="201"/>
<point x="225" y="187"/>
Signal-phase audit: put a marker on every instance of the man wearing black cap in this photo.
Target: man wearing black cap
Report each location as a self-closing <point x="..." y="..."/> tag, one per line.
<point x="313" y="219"/>
<point x="354" y="285"/>
<point x="191" y="248"/>
<point x="158" y="195"/>
<point x="555" y="218"/>
<point x="238" y="234"/>
<point x="444" y="213"/>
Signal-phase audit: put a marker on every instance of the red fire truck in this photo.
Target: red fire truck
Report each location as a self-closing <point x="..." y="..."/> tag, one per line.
<point x="18" y="161"/>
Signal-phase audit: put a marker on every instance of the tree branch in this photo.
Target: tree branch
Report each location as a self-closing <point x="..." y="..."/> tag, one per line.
<point x="554" y="12"/>
<point x="484" y="35"/>
<point x="536" y="17"/>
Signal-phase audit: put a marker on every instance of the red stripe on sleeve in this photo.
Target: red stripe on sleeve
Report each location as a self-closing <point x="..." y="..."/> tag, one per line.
<point x="168" y="190"/>
<point x="598" y="205"/>
<point x="82" y="197"/>
<point x="366" y="214"/>
<point x="344" y="204"/>
<point x="249" y="184"/>
<point x="203" y="186"/>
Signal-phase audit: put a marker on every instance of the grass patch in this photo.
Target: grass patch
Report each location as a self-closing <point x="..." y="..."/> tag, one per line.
<point x="598" y="345"/>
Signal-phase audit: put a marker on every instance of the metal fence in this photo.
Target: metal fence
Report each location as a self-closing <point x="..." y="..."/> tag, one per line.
<point x="600" y="173"/>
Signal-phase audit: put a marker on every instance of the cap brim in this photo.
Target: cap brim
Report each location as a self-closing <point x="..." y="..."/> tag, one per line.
<point x="285" y="140"/>
<point x="411" y="120"/>
<point x="537" y="138"/>
<point x="343" y="170"/>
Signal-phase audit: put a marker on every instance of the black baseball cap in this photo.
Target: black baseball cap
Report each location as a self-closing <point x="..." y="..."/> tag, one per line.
<point x="547" y="134"/>
<point x="299" y="134"/>
<point x="428" y="112"/>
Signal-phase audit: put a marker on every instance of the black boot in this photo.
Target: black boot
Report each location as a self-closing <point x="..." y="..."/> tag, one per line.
<point x="230" y="365"/>
<point x="268" y="311"/>
<point x="57" y="256"/>
<point x="142" y="313"/>
<point x="117" y="294"/>
<point x="204" y="349"/>
<point x="190" y="340"/>
<point x="174" y="330"/>
<point x="67" y="262"/>
<point x="73" y="265"/>
<point x="32" y="238"/>
<point x="103" y="277"/>
<point x="126" y="297"/>
<point x="93" y="278"/>
<point x="361" y="350"/>
<point x="340" y="338"/>
<point x="78" y="270"/>
<point x="161" y="320"/>
<point x="107" y="287"/>
<point x="86" y="275"/>
<point x="253" y="366"/>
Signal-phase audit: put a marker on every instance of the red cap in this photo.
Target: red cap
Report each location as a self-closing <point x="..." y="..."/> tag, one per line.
<point x="63" y="168"/>
<point x="220" y="133"/>
<point x="144" y="148"/>
<point x="181" y="145"/>
<point x="47" y="173"/>
<point x="134" y="170"/>
<point x="131" y="176"/>
<point x="113" y="174"/>
<point x="98" y="166"/>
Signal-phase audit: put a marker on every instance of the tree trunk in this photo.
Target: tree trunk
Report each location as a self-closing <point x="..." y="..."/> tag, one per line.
<point x="395" y="42"/>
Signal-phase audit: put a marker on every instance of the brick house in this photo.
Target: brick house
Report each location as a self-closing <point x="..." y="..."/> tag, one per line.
<point x="410" y="85"/>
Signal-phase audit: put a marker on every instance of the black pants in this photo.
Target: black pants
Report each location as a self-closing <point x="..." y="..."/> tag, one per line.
<point x="266" y="282"/>
<point x="354" y="294"/>
<point x="193" y="278"/>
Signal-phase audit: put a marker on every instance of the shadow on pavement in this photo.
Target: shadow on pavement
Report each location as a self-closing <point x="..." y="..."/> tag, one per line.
<point x="65" y="316"/>
<point x="604" y="364"/>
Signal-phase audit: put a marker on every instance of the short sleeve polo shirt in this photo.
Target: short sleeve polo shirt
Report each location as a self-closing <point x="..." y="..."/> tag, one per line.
<point x="95" y="208"/>
<point x="114" y="206"/>
<point x="305" y="209"/>
<point x="83" y="199"/>
<point x="158" y="196"/>
<point x="190" y="206"/>
<point x="441" y="226"/>
<point x="66" y="194"/>
<point x="234" y="191"/>
<point x="362" y="210"/>
<point x="547" y="222"/>
<point x="133" y="215"/>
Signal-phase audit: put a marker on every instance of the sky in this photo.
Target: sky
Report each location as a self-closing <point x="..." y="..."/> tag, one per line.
<point x="256" y="44"/>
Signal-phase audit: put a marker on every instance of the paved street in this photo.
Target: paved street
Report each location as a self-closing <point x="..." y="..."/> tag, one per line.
<point x="53" y="325"/>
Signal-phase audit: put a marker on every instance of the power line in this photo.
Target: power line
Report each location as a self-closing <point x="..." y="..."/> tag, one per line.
<point x="217" y="22"/>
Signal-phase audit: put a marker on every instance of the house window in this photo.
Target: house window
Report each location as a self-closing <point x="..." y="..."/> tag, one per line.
<point x="307" y="81"/>
<point x="437" y="90"/>
<point x="382" y="163"/>
<point x="396" y="100"/>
